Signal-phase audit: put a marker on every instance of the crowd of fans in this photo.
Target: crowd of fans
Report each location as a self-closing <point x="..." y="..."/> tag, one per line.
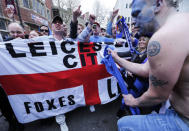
<point x="91" y="32"/>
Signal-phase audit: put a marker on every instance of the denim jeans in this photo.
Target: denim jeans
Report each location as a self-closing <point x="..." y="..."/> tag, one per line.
<point x="170" y="121"/>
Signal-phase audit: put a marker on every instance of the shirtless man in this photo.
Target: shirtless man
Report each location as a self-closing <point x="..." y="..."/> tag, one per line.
<point x="167" y="67"/>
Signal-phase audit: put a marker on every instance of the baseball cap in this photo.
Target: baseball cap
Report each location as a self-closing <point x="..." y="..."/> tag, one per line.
<point x="57" y="18"/>
<point x="96" y="24"/>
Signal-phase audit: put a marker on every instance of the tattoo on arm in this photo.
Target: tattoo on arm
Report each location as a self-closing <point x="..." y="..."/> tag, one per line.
<point x="153" y="48"/>
<point x="156" y="82"/>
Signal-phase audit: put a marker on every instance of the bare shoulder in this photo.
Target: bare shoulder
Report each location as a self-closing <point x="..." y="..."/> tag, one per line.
<point x="166" y="48"/>
<point x="166" y="55"/>
<point x="179" y="29"/>
<point x="177" y="26"/>
<point x="172" y="37"/>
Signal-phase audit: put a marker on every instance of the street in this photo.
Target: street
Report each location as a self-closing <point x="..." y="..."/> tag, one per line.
<point x="81" y="119"/>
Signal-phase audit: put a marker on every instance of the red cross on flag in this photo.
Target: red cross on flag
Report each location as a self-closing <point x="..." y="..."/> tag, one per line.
<point x="44" y="79"/>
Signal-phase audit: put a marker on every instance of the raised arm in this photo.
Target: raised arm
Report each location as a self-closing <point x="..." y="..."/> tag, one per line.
<point x="74" y="23"/>
<point x="86" y="33"/>
<point x="110" y="22"/>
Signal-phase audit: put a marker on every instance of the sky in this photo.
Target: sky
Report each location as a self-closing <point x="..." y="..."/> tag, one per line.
<point x="87" y="5"/>
<point x="184" y="6"/>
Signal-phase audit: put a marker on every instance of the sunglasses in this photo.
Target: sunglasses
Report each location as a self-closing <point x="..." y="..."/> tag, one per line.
<point x="41" y="30"/>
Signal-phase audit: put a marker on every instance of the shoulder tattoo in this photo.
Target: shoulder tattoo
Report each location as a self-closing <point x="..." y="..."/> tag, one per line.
<point x="156" y="82"/>
<point x="153" y="48"/>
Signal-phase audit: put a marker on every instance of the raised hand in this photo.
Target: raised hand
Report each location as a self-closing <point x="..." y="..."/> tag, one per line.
<point x="76" y="14"/>
<point x="114" y="13"/>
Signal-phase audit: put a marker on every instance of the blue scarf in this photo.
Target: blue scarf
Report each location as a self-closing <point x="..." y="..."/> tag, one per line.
<point x="113" y="70"/>
<point x="122" y="24"/>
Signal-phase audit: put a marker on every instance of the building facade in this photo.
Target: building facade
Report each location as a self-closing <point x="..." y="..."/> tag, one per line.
<point x="33" y="14"/>
<point x="184" y="6"/>
<point x="67" y="15"/>
<point x="124" y="9"/>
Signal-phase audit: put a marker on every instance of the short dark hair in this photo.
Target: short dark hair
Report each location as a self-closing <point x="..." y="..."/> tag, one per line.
<point x="43" y="25"/>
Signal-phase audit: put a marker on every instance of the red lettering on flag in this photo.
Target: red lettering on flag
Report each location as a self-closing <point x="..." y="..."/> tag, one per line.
<point x="88" y="59"/>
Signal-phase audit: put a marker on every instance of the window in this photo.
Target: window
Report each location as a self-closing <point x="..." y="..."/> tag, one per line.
<point x="55" y="12"/>
<point x="48" y="15"/>
<point x="130" y="5"/>
<point x="43" y="10"/>
<point x="26" y="3"/>
<point x="2" y="24"/>
<point x="128" y="19"/>
<point x="1" y="14"/>
<point x="38" y="7"/>
<point x="4" y="34"/>
<point x="34" y="5"/>
<point x="126" y="5"/>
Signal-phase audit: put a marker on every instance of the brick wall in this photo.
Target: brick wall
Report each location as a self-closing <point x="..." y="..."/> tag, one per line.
<point x="27" y="14"/>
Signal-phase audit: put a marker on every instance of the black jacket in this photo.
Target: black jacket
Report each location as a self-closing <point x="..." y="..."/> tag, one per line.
<point x="73" y="30"/>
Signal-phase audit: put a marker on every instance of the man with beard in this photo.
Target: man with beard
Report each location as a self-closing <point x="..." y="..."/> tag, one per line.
<point x="167" y="67"/>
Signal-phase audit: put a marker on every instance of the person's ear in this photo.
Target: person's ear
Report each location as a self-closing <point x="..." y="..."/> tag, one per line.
<point x="158" y="6"/>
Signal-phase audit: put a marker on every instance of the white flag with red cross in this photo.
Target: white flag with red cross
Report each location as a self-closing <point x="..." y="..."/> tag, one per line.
<point x="44" y="79"/>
